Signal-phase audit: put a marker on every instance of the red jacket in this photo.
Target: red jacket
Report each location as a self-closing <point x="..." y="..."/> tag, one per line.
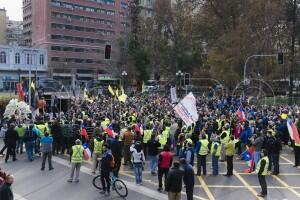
<point x="165" y="160"/>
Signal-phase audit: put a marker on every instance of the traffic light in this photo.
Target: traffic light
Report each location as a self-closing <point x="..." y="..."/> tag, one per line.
<point x="187" y="77"/>
<point x="107" y="52"/>
<point x="280" y="58"/>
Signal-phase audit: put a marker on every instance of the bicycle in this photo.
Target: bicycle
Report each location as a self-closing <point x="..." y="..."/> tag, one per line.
<point x="117" y="185"/>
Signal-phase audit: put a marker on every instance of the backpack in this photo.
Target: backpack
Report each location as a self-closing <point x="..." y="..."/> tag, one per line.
<point x="112" y="162"/>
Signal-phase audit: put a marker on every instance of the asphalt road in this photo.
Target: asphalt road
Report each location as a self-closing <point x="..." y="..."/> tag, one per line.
<point x="33" y="184"/>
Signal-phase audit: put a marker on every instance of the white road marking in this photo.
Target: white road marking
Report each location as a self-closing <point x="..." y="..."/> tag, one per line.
<point x="139" y="189"/>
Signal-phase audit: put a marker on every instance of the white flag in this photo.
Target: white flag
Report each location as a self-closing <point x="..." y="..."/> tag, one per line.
<point x="187" y="110"/>
<point x="173" y="95"/>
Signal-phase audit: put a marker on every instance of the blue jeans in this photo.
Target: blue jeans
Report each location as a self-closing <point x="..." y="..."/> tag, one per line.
<point x="29" y="150"/>
<point x="138" y="168"/>
<point x="256" y="157"/>
<point x="215" y="165"/>
<point x="153" y="163"/>
<point x="20" y="144"/>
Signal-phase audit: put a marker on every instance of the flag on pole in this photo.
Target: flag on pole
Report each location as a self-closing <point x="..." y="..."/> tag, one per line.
<point x="32" y="85"/>
<point x="294" y="134"/>
<point x="111" y="90"/>
<point x="123" y="96"/>
<point x="20" y="92"/>
<point x="109" y="130"/>
<point x="143" y="87"/>
<point x="85" y="95"/>
<point x="241" y="114"/>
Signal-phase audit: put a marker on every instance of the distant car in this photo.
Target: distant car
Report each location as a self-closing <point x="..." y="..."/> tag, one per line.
<point x="151" y="88"/>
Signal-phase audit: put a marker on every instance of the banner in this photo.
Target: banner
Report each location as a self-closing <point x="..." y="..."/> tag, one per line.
<point x="187" y="110"/>
<point x="173" y="95"/>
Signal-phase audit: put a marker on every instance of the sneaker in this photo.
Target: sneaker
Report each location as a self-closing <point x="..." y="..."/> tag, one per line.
<point x="77" y="180"/>
<point x="261" y="195"/>
<point x="159" y="189"/>
<point x="52" y="168"/>
<point x="102" y="192"/>
<point x="70" y="180"/>
<point x="42" y="169"/>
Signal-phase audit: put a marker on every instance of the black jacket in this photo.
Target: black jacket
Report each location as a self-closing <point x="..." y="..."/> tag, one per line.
<point x="174" y="180"/>
<point x="189" y="175"/>
<point x="116" y="149"/>
<point x="276" y="147"/>
<point x="153" y="147"/>
<point x="6" y="193"/>
<point x="11" y="136"/>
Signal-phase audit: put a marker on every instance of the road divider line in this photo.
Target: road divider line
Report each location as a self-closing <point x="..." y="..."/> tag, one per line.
<point x="205" y="188"/>
<point x="247" y="185"/>
<point x="284" y="158"/>
<point x="286" y="185"/>
<point x="139" y="189"/>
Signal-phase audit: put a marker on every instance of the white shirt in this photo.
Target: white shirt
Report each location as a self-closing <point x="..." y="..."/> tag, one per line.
<point x="137" y="157"/>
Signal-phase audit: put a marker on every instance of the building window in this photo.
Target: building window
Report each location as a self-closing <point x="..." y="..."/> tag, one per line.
<point x="42" y="59"/>
<point x="17" y="58"/>
<point x="28" y="59"/>
<point x="3" y="57"/>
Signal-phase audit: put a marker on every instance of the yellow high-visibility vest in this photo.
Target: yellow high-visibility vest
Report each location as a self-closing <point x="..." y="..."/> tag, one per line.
<point x="77" y="154"/>
<point x="218" y="150"/>
<point x="98" y="146"/>
<point x="265" y="171"/>
<point x="204" y="147"/>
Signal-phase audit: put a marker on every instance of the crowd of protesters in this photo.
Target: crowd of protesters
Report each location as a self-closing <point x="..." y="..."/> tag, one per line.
<point x="147" y="128"/>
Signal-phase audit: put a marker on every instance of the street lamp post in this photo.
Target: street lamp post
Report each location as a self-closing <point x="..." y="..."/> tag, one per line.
<point x="179" y="74"/>
<point x="19" y="73"/>
<point x="124" y="74"/>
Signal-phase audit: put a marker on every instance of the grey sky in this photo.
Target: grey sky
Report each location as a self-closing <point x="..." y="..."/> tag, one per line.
<point x="14" y="9"/>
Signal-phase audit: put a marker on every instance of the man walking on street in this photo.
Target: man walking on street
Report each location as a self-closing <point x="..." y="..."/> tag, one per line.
<point x="11" y="138"/>
<point x="5" y="190"/>
<point x="47" y="150"/>
<point x="229" y="152"/>
<point x="76" y="160"/>
<point x="262" y="171"/>
<point x="153" y="146"/>
<point x="202" y="151"/>
<point x="188" y="178"/>
<point x="29" y="139"/>
<point x="127" y="140"/>
<point x="174" y="182"/>
<point x="164" y="163"/>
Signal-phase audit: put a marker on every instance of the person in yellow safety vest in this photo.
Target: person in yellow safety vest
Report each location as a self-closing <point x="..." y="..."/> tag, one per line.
<point x="262" y="171"/>
<point x="215" y="151"/>
<point x="98" y="151"/>
<point x="229" y="151"/>
<point x="105" y="123"/>
<point x="224" y="140"/>
<point x="202" y="151"/>
<point x="146" y="137"/>
<point x="166" y="133"/>
<point x="162" y="141"/>
<point x="76" y="160"/>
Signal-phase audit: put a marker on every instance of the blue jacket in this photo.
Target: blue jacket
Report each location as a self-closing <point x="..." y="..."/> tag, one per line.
<point x="189" y="175"/>
<point x="47" y="144"/>
<point x="245" y="135"/>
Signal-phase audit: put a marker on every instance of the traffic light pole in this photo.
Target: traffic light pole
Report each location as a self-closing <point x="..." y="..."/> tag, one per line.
<point x="254" y="56"/>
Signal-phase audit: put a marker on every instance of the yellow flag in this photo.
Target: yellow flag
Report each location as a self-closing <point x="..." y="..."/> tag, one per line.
<point x="122" y="90"/>
<point x="85" y="95"/>
<point x="117" y="92"/>
<point x="143" y="87"/>
<point x="111" y="91"/>
<point x="122" y="98"/>
<point x="32" y="85"/>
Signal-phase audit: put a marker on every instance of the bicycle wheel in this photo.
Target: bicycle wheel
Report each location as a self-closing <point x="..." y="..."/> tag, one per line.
<point x="97" y="182"/>
<point x="120" y="188"/>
